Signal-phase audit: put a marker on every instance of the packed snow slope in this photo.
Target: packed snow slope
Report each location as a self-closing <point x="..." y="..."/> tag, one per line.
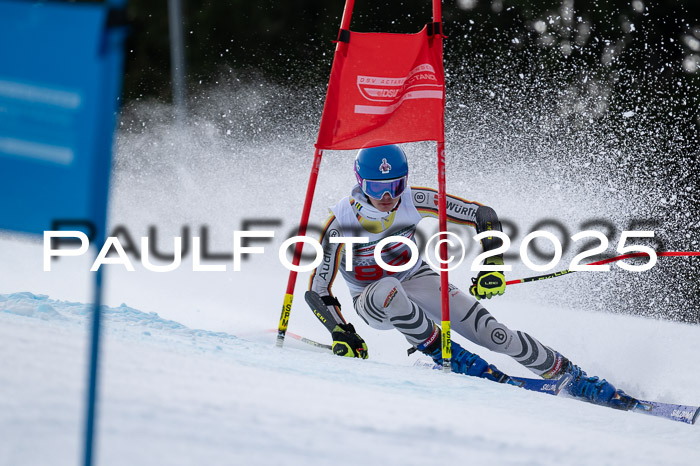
<point x="171" y="395"/>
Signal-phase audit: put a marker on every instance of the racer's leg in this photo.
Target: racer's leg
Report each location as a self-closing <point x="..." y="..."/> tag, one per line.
<point x="384" y="305"/>
<point x="471" y="320"/>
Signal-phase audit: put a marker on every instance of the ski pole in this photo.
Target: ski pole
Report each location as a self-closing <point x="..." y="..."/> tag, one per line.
<point x="601" y="262"/>
<point x="308" y="341"/>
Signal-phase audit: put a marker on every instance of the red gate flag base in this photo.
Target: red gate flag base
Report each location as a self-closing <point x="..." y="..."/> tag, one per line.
<point x="384" y="89"/>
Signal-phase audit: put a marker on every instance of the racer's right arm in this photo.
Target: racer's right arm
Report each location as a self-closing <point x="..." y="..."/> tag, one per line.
<point x="346" y="342"/>
<point x="322" y="278"/>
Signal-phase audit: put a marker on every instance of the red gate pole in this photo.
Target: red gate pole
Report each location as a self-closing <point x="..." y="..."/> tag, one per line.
<point x="442" y="220"/>
<point x="291" y="282"/>
<point x="437" y="11"/>
<point x="444" y="280"/>
<point x="311" y="187"/>
<point x="347" y="14"/>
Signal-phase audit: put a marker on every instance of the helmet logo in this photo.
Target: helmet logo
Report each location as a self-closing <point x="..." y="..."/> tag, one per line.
<point x="384" y="167"/>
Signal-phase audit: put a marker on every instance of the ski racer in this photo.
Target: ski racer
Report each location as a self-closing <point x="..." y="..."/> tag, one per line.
<point x="382" y="204"/>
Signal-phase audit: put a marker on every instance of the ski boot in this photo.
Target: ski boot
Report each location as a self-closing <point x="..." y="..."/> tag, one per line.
<point x="592" y="389"/>
<point x="462" y="362"/>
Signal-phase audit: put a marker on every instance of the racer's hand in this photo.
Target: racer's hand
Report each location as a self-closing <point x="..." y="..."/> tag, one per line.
<point x="488" y="284"/>
<point x="348" y="343"/>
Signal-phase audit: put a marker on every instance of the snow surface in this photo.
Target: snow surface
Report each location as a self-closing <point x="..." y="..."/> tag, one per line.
<point x="178" y="396"/>
<point x="171" y="395"/>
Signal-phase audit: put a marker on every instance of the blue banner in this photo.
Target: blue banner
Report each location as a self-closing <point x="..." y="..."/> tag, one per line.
<point x="60" y="79"/>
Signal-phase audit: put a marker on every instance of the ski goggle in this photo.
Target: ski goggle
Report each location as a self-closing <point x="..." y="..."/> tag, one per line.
<point x="376" y="188"/>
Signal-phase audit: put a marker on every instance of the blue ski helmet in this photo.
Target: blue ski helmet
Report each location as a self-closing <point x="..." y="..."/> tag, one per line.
<point x="380" y="170"/>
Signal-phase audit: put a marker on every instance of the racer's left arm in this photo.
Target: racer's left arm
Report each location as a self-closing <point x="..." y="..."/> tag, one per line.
<point x="482" y="218"/>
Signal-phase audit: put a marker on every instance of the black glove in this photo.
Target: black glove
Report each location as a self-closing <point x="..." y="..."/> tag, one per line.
<point x="348" y="343"/>
<point x="488" y="284"/>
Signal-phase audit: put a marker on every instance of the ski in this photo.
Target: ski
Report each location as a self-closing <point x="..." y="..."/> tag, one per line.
<point x="550" y="387"/>
<point x="680" y="413"/>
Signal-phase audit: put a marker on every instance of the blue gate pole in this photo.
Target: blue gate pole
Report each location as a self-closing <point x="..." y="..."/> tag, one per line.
<point x="113" y="38"/>
<point x="94" y="362"/>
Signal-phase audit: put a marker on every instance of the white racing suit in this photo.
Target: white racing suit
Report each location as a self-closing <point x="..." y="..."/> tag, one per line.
<point x="410" y="301"/>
